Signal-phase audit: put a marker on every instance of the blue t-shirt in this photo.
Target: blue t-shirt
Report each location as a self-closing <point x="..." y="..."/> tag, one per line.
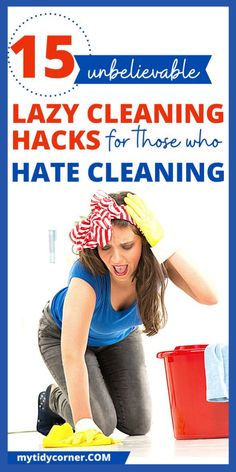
<point x="108" y="326"/>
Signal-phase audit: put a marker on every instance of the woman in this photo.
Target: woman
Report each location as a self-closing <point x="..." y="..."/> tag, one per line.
<point x="89" y="335"/>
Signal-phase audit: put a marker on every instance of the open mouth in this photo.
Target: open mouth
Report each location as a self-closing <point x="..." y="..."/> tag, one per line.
<point x="120" y="270"/>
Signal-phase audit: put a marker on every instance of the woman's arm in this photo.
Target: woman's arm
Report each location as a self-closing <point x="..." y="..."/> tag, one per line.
<point x="186" y="276"/>
<point x="77" y="314"/>
<point x="181" y="271"/>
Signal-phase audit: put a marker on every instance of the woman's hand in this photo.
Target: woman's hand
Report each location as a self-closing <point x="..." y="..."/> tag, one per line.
<point x="85" y="424"/>
<point x="144" y="218"/>
<point x="162" y="246"/>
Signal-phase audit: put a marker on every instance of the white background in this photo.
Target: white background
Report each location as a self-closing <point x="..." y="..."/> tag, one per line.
<point x="196" y="213"/>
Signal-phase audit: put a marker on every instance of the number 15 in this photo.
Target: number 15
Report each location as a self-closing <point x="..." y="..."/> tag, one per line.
<point x="27" y="44"/>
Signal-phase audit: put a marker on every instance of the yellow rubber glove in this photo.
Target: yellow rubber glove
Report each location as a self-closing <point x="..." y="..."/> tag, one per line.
<point x="63" y="436"/>
<point x="144" y="219"/>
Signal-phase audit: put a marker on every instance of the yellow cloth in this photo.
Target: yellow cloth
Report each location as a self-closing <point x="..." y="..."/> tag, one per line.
<point x="144" y="219"/>
<point x="63" y="436"/>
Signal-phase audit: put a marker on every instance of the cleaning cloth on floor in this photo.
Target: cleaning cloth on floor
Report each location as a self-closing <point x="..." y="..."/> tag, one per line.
<point x="63" y="436"/>
<point x="217" y="372"/>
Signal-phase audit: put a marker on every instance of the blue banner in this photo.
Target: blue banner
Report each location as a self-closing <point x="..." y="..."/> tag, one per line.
<point x="68" y="457"/>
<point x="142" y="69"/>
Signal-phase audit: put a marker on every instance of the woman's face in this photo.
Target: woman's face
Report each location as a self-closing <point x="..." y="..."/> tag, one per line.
<point x="121" y="256"/>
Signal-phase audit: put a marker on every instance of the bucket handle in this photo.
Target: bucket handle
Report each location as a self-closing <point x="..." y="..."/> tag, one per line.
<point x="163" y="354"/>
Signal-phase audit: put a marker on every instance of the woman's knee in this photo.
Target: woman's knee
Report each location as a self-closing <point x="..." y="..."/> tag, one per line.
<point x="136" y="423"/>
<point x="106" y="422"/>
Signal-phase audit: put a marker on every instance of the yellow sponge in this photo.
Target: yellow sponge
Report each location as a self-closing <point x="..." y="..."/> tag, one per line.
<point x="63" y="436"/>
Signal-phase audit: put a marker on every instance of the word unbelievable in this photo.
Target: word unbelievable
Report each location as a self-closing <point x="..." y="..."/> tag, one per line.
<point x="128" y="172"/>
<point x="134" y="71"/>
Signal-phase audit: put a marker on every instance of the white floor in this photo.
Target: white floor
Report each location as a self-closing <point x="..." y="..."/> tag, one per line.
<point x="157" y="447"/>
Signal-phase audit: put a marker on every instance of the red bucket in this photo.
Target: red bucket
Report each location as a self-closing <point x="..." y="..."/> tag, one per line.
<point x="193" y="417"/>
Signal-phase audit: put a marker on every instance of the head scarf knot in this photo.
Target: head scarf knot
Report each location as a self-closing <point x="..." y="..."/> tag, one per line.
<point x="96" y="229"/>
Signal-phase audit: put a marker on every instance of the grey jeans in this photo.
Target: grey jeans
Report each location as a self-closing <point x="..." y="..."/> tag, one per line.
<point x="118" y="383"/>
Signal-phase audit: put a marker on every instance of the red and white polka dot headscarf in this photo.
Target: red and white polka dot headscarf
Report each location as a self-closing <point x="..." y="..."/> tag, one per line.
<point x="96" y="229"/>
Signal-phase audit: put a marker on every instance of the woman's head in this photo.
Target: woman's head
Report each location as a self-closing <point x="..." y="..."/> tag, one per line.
<point x="125" y="246"/>
<point x="122" y="254"/>
<point x="127" y="257"/>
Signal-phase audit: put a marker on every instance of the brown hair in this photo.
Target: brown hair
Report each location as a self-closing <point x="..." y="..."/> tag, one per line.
<point x="151" y="277"/>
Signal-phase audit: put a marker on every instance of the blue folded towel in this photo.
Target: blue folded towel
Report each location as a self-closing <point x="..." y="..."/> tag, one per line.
<point x="217" y="372"/>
